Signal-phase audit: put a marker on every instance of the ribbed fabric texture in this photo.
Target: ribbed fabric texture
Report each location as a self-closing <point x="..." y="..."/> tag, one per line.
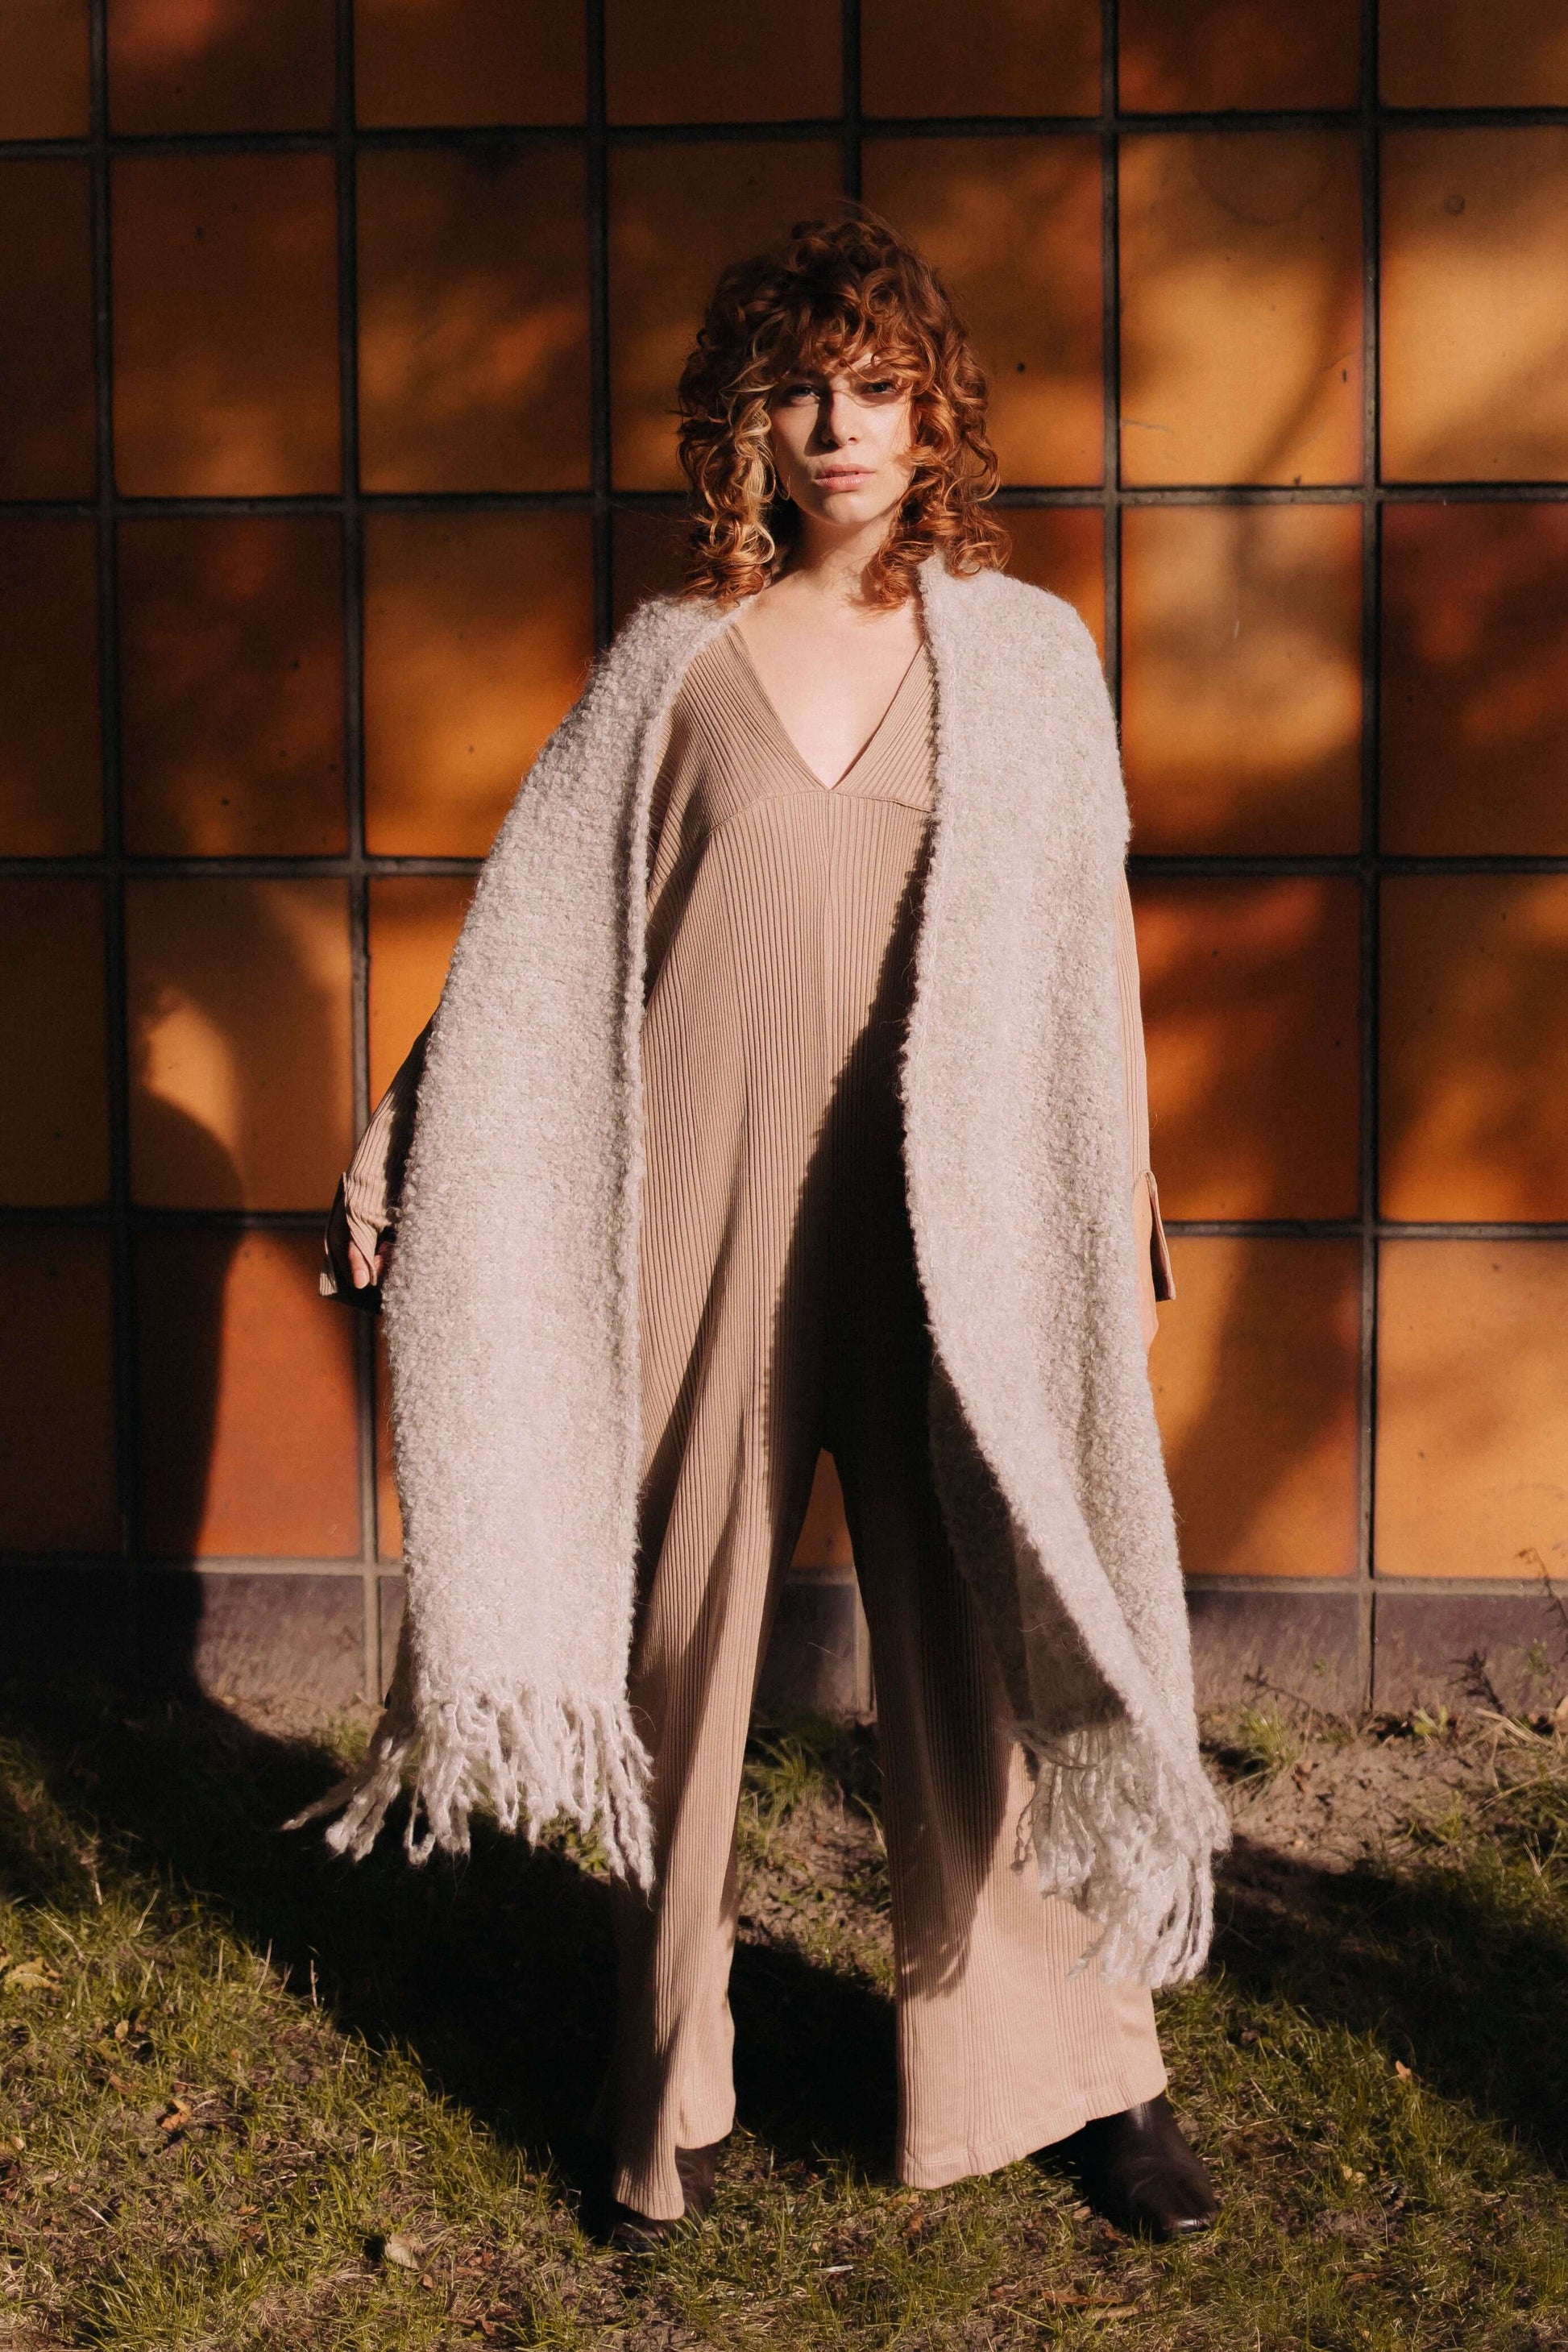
<point x="781" y="1312"/>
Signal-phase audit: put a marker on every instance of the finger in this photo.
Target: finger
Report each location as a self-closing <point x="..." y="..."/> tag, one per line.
<point x="358" y="1266"/>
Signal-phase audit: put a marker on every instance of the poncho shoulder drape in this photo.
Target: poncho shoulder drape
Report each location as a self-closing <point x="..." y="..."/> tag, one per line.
<point x="514" y="1370"/>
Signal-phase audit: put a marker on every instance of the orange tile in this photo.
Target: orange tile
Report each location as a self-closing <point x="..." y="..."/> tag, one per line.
<point x="473" y="319"/>
<point x="54" y="1139"/>
<point x="249" y="1437"/>
<point x="388" y="1511"/>
<point x="1472" y="1426"/>
<point x="824" y="1547"/>
<point x="647" y="557"/>
<point x="993" y="57"/>
<point x="1449" y="53"/>
<point x="678" y="214"/>
<point x="1241" y="276"/>
<point x="1475" y="679"/>
<point x="56" y="1391"/>
<point x="1061" y="548"/>
<point x="1179" y="56"/>
<point x="244" y="65"/>
<point x="225" y="325"/>
<point x="238" y="1008"/>
<point x="1012" y="225"/>
<point x="51" y="791"/>
<point x="232" y="685"/>
<point x="43" y="89"/>
<point x="1473" y="1045"/>
<point x="48" y="449"/>
<point x="1241" y="678"/>
<point x="1255" y="1375"/>
<point x="469" y="62"/>
<point x="708" y="61"/>
<point x="415" y="919"/>
<point x="1475" y="305"/>
<point x="479" y="633"/>
<point x="1250" y="994"/>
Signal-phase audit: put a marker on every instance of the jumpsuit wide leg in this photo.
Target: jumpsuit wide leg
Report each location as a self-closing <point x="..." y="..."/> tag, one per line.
<point x="782" y="1314"/>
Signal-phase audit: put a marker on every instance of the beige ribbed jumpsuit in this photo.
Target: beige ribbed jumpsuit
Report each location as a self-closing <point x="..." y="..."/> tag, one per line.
<point x="782" y="1315"/>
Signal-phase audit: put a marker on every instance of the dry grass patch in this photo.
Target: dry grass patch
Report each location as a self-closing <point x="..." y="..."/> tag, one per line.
<point x="252" y="2098"/>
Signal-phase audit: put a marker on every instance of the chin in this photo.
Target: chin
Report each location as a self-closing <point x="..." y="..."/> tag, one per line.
<point x="863" y="505"/>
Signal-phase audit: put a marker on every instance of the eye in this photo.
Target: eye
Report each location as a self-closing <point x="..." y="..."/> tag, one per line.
<point x="877" y="387"/>
<point x="791" y="394"/>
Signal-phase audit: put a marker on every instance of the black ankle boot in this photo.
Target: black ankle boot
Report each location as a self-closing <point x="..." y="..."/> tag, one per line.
<point x="1138" y="2171"/>
<point x="698" y="2171"/>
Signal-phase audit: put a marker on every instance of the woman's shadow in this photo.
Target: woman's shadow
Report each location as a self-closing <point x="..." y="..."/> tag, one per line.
<point x="496" y="1973"/>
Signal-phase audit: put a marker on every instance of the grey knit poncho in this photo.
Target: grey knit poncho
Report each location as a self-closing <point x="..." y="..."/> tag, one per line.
<point x="515" y="1377"/>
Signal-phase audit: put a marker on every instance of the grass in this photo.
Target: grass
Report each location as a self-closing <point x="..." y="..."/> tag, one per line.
<point x="253" y="2098"/>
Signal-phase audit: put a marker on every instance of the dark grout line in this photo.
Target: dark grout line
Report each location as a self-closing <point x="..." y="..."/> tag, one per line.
<point x="1146" y="866"/>
<point x="599" y="390"/>
<point x="851" y="120"/>
<point x="142" y="1217"/>
<point x="1111" y="345"/>
<point x="352" y="544"/>
<point x="1369" y="974"/>
<point x="1230" y="495"/>
<point x="111" y="864"/>
<point x="1122" y="122"/>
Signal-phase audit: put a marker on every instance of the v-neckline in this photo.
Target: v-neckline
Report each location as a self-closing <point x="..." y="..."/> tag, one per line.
<point x="771" y="710"/>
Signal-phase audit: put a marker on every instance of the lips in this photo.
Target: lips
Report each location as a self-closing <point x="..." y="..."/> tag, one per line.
<point x="846" y="481"/>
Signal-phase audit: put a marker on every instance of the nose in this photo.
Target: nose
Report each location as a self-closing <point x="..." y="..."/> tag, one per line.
<point x="837" y="419"/>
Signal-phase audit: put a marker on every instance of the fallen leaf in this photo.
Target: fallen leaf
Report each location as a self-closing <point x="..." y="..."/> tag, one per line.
<point x="30" y="1976"/>
<point x="836" y="2270"/>
<point x="175" y="2116"/>
<point x="122" y="2029"/>
<point x="126" y="2090"/>
<point x="1401" y="2069"/>
<point x="1248" y="2034"/>
<point x="399" y="2251"/>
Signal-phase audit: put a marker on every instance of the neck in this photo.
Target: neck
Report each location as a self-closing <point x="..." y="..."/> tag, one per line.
<point x="832" y="563"/>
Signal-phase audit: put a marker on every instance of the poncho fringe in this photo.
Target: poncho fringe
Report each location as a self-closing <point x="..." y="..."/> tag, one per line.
<point x="529" y="1759"/>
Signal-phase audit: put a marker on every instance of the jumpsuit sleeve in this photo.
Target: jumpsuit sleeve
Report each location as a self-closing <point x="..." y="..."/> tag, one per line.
<point x="371" y="1186"/>
<point x="1155" y="1278"/>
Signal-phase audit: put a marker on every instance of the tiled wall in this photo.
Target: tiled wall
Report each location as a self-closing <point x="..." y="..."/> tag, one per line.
<point x="337" y="346"/>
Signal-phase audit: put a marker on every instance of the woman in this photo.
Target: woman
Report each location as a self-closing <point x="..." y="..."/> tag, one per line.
<point x="786" y="1091"/>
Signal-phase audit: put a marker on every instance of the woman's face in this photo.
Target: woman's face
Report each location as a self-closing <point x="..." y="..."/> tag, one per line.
<point x="841" y="445"/>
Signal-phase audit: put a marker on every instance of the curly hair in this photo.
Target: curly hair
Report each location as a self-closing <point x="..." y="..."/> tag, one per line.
<point x="836" y="292"/>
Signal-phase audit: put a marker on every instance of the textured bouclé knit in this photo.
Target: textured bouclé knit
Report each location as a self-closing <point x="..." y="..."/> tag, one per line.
<point x="515" y="1374"/>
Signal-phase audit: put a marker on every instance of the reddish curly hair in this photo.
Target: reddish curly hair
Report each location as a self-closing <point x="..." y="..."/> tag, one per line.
<point x="836" y="292"/>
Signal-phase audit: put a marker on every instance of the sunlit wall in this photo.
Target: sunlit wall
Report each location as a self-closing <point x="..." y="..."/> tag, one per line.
<point x="336" y="349"/>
